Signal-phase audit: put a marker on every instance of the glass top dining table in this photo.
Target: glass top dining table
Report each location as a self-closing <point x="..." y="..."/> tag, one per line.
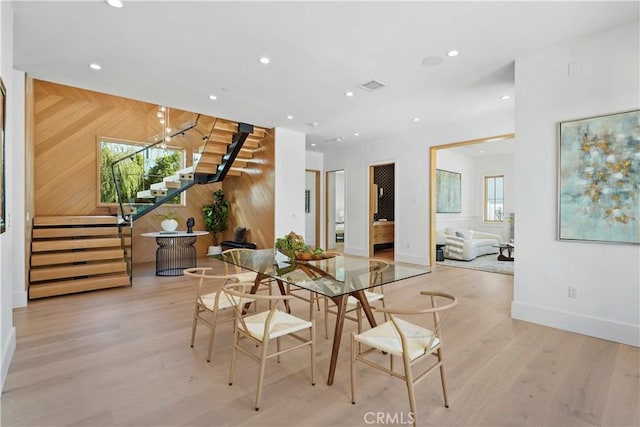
<point x="337" y="277"/>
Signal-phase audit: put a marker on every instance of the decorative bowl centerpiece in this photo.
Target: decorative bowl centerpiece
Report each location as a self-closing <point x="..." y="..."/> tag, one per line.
<point x="292" y="245"/>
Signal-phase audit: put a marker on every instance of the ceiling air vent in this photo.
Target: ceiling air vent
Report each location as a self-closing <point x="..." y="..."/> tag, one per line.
<point x="371" y="86"/>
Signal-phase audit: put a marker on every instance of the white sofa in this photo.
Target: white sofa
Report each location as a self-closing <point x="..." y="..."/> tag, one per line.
<point x="466" y="245"/>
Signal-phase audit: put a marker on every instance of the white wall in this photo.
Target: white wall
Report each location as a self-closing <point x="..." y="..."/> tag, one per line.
<point x="289" y="198"/>
<point x="607" y="276"/>
<point x="450" y="160"/>
<point x="12" y="258"/>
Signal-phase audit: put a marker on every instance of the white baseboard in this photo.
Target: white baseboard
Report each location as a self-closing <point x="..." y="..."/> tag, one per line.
<point x="411" y="259"/>
<point x="19" y="299"/>
<point x="8" y="348"/>
<point x="623" y="333"/>
<point x="350" y="250"/>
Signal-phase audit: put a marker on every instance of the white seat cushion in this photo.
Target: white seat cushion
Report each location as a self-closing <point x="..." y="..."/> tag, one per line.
<point x="352" y="302"/>
<point x="281" y="324"/>
<point x="385" y="337"/>
<point x="224" y="302"/>
<point x="248" y="277"/>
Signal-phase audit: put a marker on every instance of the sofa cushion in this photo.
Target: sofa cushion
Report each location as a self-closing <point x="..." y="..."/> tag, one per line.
<point x="465" y="234"/>
<point x="477" y="243"/>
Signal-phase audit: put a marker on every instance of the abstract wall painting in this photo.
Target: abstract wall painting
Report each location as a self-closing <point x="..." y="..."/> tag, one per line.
<point x="448" y="191"/>
<point x="599" y="178"/>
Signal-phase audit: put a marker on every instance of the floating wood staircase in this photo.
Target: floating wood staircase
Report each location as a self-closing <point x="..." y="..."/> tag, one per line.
<point x="218" y="136"/>
<point x="77" y="253"/>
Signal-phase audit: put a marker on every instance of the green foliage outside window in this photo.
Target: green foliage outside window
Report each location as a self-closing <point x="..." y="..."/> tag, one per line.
<point x="158" y="163"/>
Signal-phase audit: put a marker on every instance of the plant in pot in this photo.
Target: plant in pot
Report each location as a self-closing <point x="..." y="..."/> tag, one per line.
<point x="169" y="220"/>
<point x="215" y="216"/>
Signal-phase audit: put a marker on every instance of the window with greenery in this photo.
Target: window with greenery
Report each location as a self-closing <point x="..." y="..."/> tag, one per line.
<point x="138" y="172"/>
<point x="494" y="198"/>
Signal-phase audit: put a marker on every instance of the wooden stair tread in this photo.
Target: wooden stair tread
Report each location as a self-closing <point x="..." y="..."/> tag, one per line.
<point x="49" y="233"/>
<point x="74" y="220"/>
<point x="213" y="169"/>
<point x="61" y="287"/>
<point x="51" y="258"/>
<point x="39" y="274"/>
<point x="62" y="245"/>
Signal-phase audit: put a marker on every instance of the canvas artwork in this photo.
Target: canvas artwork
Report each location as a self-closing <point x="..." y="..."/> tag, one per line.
<point x="599" y="178"/>
<point x="448" y="191"/>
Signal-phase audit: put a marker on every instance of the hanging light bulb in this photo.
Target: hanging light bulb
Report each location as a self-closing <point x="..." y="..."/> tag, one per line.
<point x="163" y="116"/>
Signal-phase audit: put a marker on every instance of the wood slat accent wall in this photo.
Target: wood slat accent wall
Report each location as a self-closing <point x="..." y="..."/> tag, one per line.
<point x="66" y="124"/>
<point x="252" y="196"/>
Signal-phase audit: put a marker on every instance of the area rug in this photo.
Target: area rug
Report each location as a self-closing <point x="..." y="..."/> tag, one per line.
<point x="485" y="263"/>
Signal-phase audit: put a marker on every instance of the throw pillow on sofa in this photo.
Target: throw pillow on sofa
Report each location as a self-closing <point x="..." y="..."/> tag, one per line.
<point x="239" y="235"/>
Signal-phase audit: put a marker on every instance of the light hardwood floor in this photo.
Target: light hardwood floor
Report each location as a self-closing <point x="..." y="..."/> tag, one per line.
<point x="122" y="357"/>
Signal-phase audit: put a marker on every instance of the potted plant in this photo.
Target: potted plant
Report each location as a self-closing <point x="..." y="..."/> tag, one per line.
<point x="215" y="216"/>
<point x="169" y="220"/>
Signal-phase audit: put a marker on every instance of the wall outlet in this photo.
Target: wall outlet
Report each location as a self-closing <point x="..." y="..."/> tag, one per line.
<point x="573" y="292"/>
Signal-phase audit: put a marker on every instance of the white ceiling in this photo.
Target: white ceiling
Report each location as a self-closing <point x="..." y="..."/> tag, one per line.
<point x="178" y="53"/>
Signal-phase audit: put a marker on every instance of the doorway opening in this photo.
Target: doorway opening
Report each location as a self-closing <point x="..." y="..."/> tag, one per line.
<point x="464" y="219"/>
<point x="382" y="211"/>
<point x="335" y="216"/>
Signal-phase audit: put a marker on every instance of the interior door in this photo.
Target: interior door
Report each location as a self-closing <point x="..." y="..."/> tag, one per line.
<point x="335" y="210"/>
<point x="312" y="208"/>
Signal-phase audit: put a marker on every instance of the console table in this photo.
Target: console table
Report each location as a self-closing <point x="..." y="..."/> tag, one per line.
<point x="175" y="251"/>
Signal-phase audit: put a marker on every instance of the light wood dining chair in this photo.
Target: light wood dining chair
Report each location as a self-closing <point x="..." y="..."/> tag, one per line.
<point x="411" y="342"/>
<point x="374" y="294"/>
<point x="261" y="328"/>
<point x="209" y="301"/>
<point x="243" y="275"/>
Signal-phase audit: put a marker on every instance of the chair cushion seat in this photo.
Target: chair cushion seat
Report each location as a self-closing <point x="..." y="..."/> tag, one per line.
<point x="352" y="302"/>
<point x="247" y="277"/>
<point x="385" y="337"/>
<point x="281" y="324"/>
<point x="209" y="301"/>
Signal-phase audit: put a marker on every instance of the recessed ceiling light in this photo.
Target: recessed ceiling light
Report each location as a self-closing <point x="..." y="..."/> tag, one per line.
<point x="213" y="97"/>
<point x="453" y="53"/>
<point x="95" y="66"/>
<point x="416" y="119"/>
<point x="115" y="3"/>
<point x="432" y="61"/>
<point x="314" y="124"/>
<point x="503" y="97"/>
<point x="313" y="144"/>
<point x="356" y="134"/>
<point x="264" y="60"/>
<point x="481" y="151"/>
<point x="349" y="93"/>
<point x="339" y="139"/>
<point x="289" y="117"/>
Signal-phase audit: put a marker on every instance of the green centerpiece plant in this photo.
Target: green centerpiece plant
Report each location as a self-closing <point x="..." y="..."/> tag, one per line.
<point x="293" y="246"/>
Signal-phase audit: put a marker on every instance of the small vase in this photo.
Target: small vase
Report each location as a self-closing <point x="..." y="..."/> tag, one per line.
<point x="214" y="250"/>
<point x="169" y="225"/>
